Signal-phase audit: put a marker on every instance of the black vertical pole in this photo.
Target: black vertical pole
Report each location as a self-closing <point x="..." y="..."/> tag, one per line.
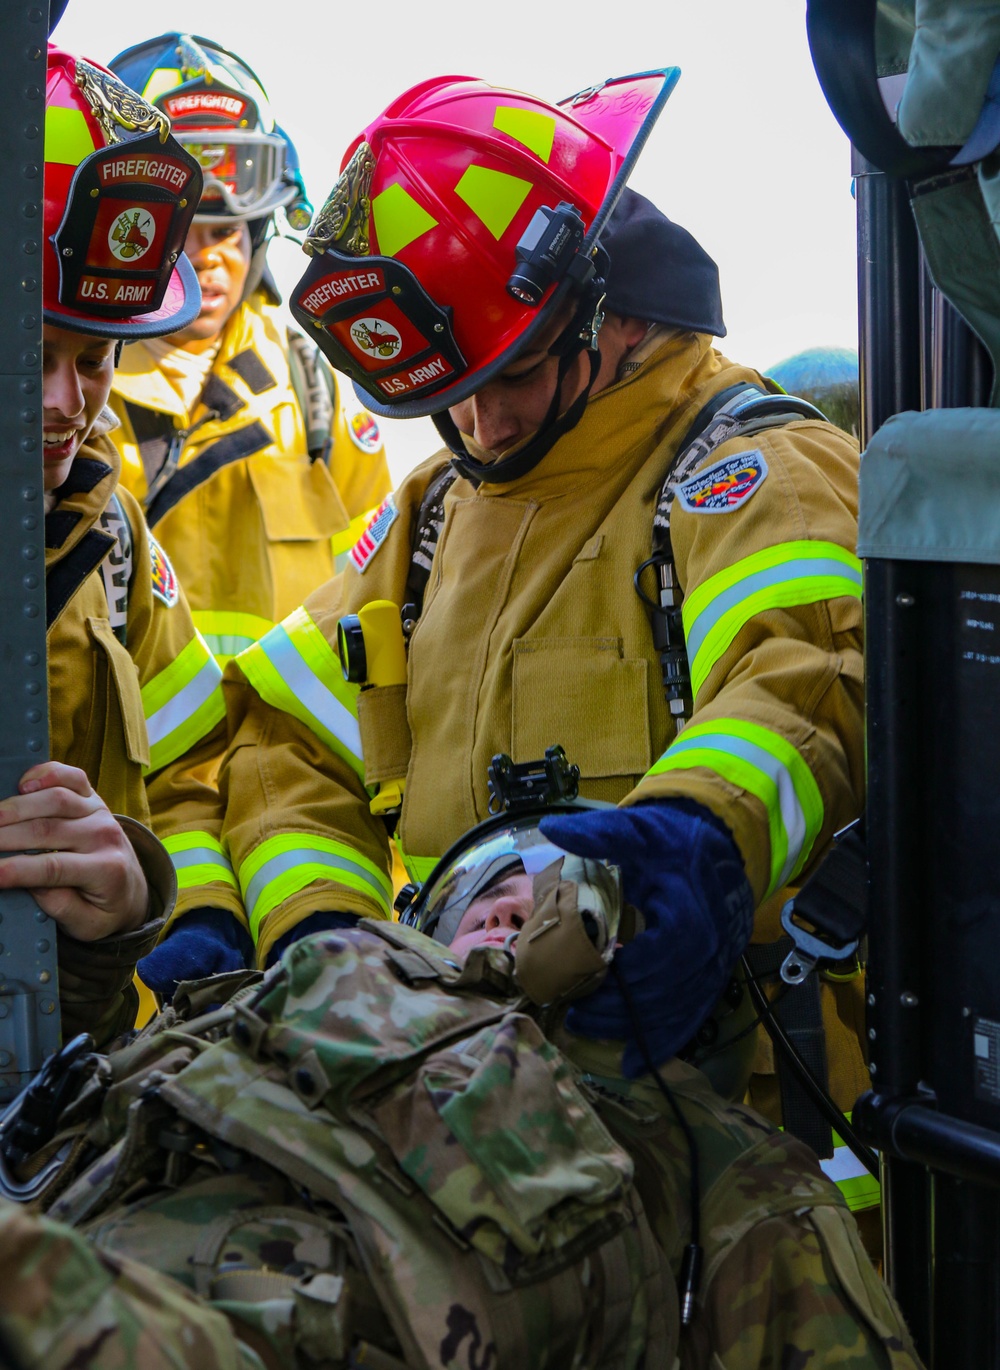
<point x="890" y="362"/>
<point x="29" y="1001"/>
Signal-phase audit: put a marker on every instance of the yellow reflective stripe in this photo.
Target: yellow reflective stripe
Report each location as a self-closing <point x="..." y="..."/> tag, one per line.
<point x="790" y="574"/>
<point x="182" y="703"/>
<point x="769" y="767"/>
<point x="229" y="633"/>
<point x="493" y="196"/>
<point x="399" y="220"/>
<point x="533" y="130"/>
<point x="199" y="859"/>
<point x="67" y="137"/>
<point x="418" y="868"/>
<point x="341" y="543"/>
<point x="859" y="1187"/>
<point x="294" y="668"/>
<point x="283" y="865"/>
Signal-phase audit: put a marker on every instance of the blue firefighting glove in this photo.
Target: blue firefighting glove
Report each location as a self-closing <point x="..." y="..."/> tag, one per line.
<point x="681" y="869"/>
<point x="316" y="922"/>
<point x="203" y="942"/>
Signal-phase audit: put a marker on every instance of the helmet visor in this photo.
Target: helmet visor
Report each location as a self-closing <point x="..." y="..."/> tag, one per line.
<point x="243" y="171"/>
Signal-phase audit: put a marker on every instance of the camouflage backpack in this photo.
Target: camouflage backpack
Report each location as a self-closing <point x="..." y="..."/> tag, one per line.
<point x="372" y="1156"/>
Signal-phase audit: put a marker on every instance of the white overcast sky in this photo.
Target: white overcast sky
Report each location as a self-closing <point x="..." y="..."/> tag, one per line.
<point x="746" y="154"/>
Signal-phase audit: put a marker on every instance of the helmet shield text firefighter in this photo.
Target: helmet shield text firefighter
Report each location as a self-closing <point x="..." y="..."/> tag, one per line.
<point x="490" y="205"/>
<point x="120" y="193"/>
<point x="219" y="112"/>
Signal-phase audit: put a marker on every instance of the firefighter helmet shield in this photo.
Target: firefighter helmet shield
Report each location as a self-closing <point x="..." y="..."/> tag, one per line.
<point x="465" y="217"/>
<point x="119" y="197"/>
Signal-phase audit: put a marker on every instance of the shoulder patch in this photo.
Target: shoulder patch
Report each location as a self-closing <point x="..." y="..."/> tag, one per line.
<point x="724" y="485"/>
<point x="364" y="431"/>
<point x="375" y="533"/>
<point x="165" y="586"/>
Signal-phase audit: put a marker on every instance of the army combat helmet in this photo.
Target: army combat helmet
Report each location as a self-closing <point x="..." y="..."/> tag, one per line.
<point x="219" y="111"/>
<point x="120" y="193"/>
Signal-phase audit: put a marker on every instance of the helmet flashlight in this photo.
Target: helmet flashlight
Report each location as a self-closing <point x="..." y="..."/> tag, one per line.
<point x="547" y="246"/>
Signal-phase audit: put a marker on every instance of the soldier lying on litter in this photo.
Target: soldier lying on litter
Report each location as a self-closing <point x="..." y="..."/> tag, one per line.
<point x="387" y="1150"/>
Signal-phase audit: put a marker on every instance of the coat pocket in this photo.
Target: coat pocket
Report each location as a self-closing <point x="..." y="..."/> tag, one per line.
<point x="301" y="511"/>
<point x="582" y="694"/>
<point x="125" y="716"/>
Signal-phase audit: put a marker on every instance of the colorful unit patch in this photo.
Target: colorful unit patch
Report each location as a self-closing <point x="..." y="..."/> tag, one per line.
<point x="165" y="586"/>
<point x="725" y="485"/>
<point x="375" y="534"/>
<point x="365" y="432"/>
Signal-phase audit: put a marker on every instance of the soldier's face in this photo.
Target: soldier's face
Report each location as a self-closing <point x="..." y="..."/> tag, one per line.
<point x="496" y="912"/>
<point x="514" y="405"/>
<point x="77" y="371"/>
<point x="220" y="254"/>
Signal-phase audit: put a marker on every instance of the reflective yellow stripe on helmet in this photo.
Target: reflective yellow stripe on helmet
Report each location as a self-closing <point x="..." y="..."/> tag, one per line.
<point x="768" y="766"/>
<point x="199" y="859"/>
<point x="229" y="633"/>
<point x="295" y="669"/>
<point x="790" y="574"/>
<point x="283" y="865"/>
<point x="182" y="703"/>
<point x="67" y="137"/>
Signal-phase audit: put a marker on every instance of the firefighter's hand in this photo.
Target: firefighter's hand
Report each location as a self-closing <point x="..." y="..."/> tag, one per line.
<point x="71" y="854"/>
<point x="682" y="870"/>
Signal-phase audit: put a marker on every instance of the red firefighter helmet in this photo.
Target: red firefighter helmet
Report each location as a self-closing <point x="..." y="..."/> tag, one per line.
<point x="465" y="216"/>
<point x="120" y="193"/>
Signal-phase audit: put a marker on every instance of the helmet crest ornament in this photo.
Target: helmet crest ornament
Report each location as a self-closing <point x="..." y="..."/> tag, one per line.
<point x="346" y="214"/>
<point x="116" y="108"/>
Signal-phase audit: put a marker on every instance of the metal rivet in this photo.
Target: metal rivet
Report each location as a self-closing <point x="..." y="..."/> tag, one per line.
<point x="31" y="611"/>
<point x="29" y="493"/>
<point x="67" y="252"/>
<point x="873" y="1069"/>
<point x="183" y="204"/>
<point x="29" y="321"/>
<point x="397" y="290"/>
<point x="29" y="283"/>
<point x="94" y="193"/>
<point x="30" y="210"/>
<point x="34" y="745"/>
<point x="905" y="601"/>
<point x="908" y="999"/>
<point x="31" y="658"/>
<point x="44" y="976"/>
<point x="31" y="171"/>
<point x="29" y="247"/>
<point x="29" y="553"/>
<point x="31" y="582"/>
<point x="48" y="1006"/>
<point x="29" y="522"/>
<point x="28" y="444"/>
<point x="33" y="716"/>
<point x="871" y="1034"/>
<point x="871" y="1001"/>
<point x="42" y="946"/>
<point x="966" y="1012"/>
<point x="41" y="916"/>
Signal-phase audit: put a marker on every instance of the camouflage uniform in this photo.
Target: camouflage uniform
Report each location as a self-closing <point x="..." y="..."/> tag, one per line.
<point x="371" y="1152"/>
<point x="65" y="1306"/>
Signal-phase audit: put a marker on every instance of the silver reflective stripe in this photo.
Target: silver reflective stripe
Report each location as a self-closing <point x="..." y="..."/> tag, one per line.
<point x="199" y="856"/>
<point x="227" y="644"/>
<point x="305" y="856"/>
<point x="792" y="815"/>
<point x="799" y="569"/>
<point x="185" y="703"/>
<point x="307" y="687"/>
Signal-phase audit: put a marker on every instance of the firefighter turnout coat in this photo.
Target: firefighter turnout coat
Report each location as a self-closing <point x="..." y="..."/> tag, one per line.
<point x="532" y="633"/>
<point x="135" y="698"/>
<point x="250" y="517"/>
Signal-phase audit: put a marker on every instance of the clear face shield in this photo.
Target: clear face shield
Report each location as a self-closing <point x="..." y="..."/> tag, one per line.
<point x="506" y="886"/>
<point x="244" y="172"/>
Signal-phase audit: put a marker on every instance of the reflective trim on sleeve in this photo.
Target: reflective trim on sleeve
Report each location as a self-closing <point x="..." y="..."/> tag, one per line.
<point x="199" y="859"/>
<point x="781" y="577"/>
<point x="228" y="634"/>
<point x="295" y="669"/>
<point x="859" y="1187"/>
<point x="283" y="865"/>
<point x="182" y="703"/>
<point x="768" y="766"/>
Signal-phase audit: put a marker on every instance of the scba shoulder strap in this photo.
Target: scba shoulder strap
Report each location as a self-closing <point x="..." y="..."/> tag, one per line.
<point x="736" y="412"/>
<point x="118" y="566"/>
<point x="316" y="391"/>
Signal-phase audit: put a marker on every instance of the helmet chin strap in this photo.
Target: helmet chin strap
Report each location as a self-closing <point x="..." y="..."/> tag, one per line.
<point x="581" y="332"/>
